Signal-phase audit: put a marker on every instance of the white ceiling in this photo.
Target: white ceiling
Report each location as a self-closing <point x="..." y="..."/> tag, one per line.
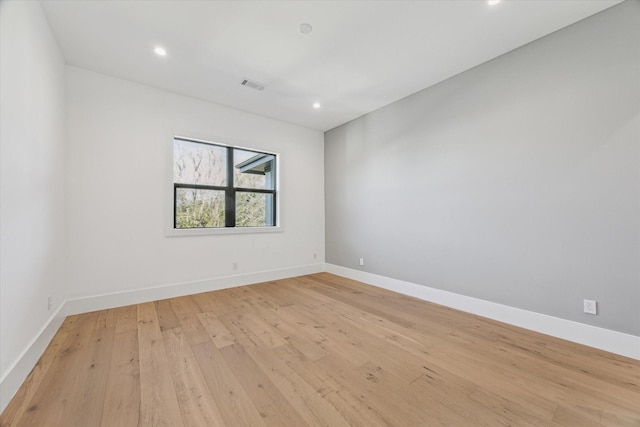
<point x="360" y="56"/>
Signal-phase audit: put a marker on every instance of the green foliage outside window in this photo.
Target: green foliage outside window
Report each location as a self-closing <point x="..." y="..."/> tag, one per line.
<point x="202" y="193"/>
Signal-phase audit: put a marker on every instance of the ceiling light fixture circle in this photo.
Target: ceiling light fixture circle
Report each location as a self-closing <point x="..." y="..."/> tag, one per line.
<point x="305" y="28"/>
<point x="160" y="51"/>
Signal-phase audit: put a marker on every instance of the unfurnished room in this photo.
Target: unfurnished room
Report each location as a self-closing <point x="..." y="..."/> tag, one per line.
<point x="319" y="213"/>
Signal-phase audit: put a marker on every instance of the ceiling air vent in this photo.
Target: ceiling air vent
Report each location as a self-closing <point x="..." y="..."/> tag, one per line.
<point x="253" y="84"/>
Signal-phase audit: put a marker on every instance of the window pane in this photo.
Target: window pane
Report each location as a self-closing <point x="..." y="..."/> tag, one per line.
<point x="254" y="209"/>
<point x="196" y="163"/>
<point x="199" y="208"/>
<point x="253" y="170"/>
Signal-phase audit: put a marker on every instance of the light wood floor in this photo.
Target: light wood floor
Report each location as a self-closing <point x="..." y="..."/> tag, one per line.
<point x="317" y="350"/>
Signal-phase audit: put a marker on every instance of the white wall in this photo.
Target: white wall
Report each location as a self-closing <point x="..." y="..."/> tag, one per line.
<point x="86" y="187"/>
<point x="516" y="182"/>
<point x="32" y="115"/>
<point x="119" y="189"/>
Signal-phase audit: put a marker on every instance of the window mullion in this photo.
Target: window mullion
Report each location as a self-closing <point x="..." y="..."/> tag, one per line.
<point x="230" y="193"/>
<point x="175" y="207"/>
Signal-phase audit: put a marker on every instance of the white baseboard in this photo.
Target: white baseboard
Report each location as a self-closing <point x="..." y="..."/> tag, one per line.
<point x="137" y="296"/>
<point x="592" y="336"/>
<point x="18" y="372"/>
<point x="20" y="369"/>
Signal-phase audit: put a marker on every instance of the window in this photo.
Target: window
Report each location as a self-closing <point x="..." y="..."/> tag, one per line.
<point x="219" y="186"/>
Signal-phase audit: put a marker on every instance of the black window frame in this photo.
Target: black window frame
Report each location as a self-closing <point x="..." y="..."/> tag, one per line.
<point x="230" y="190"/>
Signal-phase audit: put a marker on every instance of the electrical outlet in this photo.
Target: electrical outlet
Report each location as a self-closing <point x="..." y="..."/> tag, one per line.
<point x="49" y="303"/>
<point x="590" y="306"/>
<point x="361" y="261"/>
<point x="234" y="266"/>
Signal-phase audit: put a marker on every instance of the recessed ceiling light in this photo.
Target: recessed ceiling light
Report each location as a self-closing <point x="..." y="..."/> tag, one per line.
<point x="160" y="51"/>
<point x="305" y="28"/>
<point x="493" y="2"/>
<point x="316" y="105"/>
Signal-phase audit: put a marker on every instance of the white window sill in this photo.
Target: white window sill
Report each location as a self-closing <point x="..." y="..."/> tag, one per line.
<point x="221" y="231"/>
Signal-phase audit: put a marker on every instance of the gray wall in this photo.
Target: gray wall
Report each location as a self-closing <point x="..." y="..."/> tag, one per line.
<point x="517" y="182"/>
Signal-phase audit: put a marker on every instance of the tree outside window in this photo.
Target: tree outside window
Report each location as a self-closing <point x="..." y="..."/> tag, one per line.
<point x="219" y="186"/>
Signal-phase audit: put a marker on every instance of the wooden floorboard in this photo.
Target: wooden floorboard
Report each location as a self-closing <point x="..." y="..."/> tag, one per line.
<point x="317" y="350"/>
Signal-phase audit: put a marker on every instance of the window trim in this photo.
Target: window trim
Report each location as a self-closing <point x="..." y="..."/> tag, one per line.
<point x="172" y="231"/>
